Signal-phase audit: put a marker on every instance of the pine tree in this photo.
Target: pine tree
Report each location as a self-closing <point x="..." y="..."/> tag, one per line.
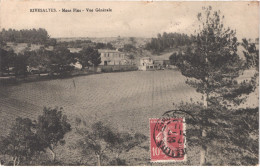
<point x="212" y="66"/>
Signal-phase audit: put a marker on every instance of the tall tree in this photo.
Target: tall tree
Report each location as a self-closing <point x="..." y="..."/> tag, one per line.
<point x="39" y="36"/>
<point x="84" y="57"/>
<point x="60" y="59"/>
<point x="21" y="143"/>
<point x="131" y="57"/>
<point x="3" y="60"/>
<point x="20" y="63"/>
<point x="212" y="67"/>
<point x="94" y="57"/>
<point x="51" y="128"/>
<point x="89" y="56"/>
<point x="7" y="59"/>
<point x="62" y="56"/>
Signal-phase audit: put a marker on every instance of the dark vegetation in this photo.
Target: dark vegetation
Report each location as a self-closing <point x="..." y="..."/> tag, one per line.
<point x="101" y="141"/>
<point x="128" y="48"/>
<point x="212" y="66"/>
<point x="169" y="40"/>
<point x="58" y="61"/>
<point x="32" y="36"/>
<point x="28" y="140"/>
<point x="86" y="44"/>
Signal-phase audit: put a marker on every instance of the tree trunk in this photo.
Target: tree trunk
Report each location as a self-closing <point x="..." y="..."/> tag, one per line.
<point x="53" y="154"/>
<point x="203" y="150"/>
<point x="98" y="160"/>
<point x="14" y="161"/>
<point x="117" y="158"/>
<point x="18" y="161"/>
<point x="0" y="71"/>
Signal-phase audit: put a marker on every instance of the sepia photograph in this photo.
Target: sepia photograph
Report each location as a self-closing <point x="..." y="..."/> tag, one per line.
<point x="129" y="83"/>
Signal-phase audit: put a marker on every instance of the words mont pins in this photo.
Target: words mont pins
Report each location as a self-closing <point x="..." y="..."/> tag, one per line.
<point x="167" y="137"/>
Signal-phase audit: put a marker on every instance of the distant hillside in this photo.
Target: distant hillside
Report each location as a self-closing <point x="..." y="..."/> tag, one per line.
<point x="117" y="42"/>
<point x="21" y="47"/>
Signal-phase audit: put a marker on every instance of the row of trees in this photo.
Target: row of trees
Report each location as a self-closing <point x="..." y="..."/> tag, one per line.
<point x="86" y="44"/>
<point x="59" y="59"/>
<point x="28" y="139"/>
<point x="212" y="66"/>
<point x="32" y="36"/>
<point x="168" y="40"/>
<point x="41" y="36"/>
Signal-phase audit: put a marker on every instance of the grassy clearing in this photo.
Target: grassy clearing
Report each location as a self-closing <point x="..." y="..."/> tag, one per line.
<point x="125" y="101"/>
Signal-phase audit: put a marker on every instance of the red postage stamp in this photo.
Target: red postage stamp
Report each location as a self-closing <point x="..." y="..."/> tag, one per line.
<point x="167" y="137"/>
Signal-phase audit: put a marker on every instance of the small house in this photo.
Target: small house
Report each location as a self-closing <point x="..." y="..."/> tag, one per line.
<point x="146" y="63"/>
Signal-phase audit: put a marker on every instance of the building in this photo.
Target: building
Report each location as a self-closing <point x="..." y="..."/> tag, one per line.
<point x="155" y="62"/>
<point x="161" y="61"/>
<point x="146" y="63"/>
<point x="112" y="57"/>
<point x="76" y="65"/>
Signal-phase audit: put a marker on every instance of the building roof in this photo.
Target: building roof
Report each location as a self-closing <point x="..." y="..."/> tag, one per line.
<point x="108" y="51"/>
<point x="162" y="57"/>
<point x="144" y="58"/>
<point x="75" y="50"/>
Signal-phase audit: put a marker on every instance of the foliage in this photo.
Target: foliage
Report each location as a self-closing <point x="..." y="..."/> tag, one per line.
<point x="232" y="134"/>
<point x="76" y="43"/>
<point x="168" y="40"/>
<point x="131" y="57"/>
<point x="28" y="138"/>
<point x="51" y="128"/>
<point x="60" y="59"/>
<point x="21" y="143"/>
<point x="18" y="61"/>
<point x="212" y="66"/>
<point x="20" y="64"/>
<point x="38" y="58"/>
<point x="35" y="36"/>
<point x="101" y="139"/>
<point x="133" y="40"/>
<point x="84" y="56"/>
<point x="94" y="57"/>
<point x="88" y="56"/>
<point x="62" y="56"/>
<point x="86" y="44"/>
<point x="128" y="48"/>
<point x="104" y="46"/>
<point x="7" y="59"/>
<point x="251" y="54"/>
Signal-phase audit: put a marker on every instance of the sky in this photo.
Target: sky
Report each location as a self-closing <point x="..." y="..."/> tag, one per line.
<point x="127" y="19"/>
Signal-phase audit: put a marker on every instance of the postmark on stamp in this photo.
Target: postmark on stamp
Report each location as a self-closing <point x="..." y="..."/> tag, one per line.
<point x="167" y="137"/>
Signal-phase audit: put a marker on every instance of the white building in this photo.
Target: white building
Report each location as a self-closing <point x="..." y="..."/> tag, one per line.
<point x="112" y="57"/>
<point x="146" y="63"/>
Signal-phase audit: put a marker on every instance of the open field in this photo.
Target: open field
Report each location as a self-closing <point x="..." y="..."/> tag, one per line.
<point x="125" y="101"/>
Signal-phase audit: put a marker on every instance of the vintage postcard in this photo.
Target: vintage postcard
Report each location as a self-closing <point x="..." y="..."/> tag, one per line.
<point x="129" y="83"/>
